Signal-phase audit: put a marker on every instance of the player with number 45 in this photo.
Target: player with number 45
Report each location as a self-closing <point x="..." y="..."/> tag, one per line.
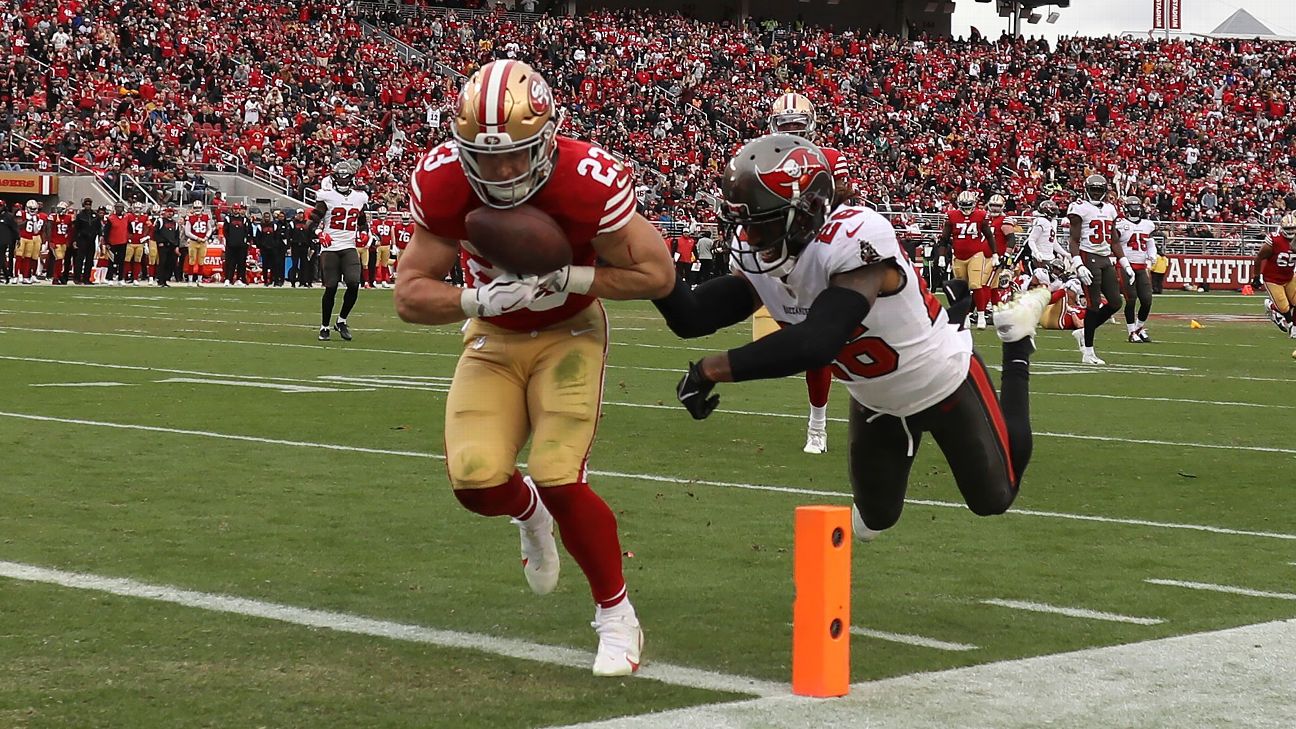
<point x="535" y="347"/>
<point x="854" y="303"/>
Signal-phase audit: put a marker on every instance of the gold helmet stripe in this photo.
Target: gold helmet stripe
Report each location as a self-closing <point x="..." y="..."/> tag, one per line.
<point x="491" y="107"/>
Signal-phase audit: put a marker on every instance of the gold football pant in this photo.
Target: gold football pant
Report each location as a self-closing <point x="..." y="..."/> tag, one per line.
<point x="134" y="252"/>
<point x="197" y="253"/>
<point x="508" y="386"/>
<point x="28" y="248"/>
<point x="974" y="270"/>
<point x="763" y="324"/>
<point x="1283" y="295"/>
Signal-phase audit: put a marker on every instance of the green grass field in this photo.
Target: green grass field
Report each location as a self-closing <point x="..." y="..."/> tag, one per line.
<point x="239" y="456"/>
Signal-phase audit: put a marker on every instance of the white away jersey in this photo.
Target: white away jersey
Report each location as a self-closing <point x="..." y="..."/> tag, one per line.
<point x="904" y="356"/>
<point x="342" y="218"/>
<point x="1097" y="225"/>
<point x="1042" y="240"/>
<point x="1136" y="239"/>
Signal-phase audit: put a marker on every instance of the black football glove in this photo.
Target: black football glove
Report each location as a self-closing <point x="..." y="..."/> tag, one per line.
<point x="693" y="390"/>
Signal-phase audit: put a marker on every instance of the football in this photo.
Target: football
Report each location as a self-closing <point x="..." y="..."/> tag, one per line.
<point x="522" y="240"/>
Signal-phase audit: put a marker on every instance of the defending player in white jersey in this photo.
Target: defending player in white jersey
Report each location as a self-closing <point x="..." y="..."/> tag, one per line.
<point x="1135" y="234"/>
<point x="1042" y="245"/>
<point x="1093" y="245"/>
<point x="855" y="304"/>
<point x="342" y="212"/>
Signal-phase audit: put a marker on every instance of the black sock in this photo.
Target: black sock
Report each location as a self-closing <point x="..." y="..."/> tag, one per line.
<point x="1091" y="325"/>
<point x="1129" y="310"/>
<point x="348" y="300"/>
<point x="1144" y="311"/>
<point x="1014" y="401"/>
<point x="326" y="305"/>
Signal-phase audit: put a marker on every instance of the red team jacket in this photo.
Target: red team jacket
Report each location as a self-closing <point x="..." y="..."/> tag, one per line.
<point x="589" y="193"/>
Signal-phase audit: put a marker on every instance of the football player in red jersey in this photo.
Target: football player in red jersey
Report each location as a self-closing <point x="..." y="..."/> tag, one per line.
<point x="794" y="114"/>
<point x="139" y="231"/>
<point x="404" y="233"/>
<point x="535" y="347"/>
<point x="968" y="230"/>
<point x="60" y="238"/>
<point x="31" y="238"/>
<point x="384" y="230"/>
<point x="1276" y="261"/>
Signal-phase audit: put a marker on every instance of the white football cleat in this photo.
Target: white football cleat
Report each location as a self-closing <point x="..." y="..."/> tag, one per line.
<point x="980" y="320"/>
<point x="816" y="441"/>
<point x="1090" y="358"/>
<point x="1017" y="319"/>
<point x="862" y="532"/>
<point x="620" y="643"/>
<point x="540" y="562"/>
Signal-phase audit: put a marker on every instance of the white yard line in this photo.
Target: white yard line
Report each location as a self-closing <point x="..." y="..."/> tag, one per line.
<point x="1240" y="677"/>
<point x="360" y="625"/>
<point x="656" y="477"/>
<point x="1070" y="612"/>
<point x="916" y="640"/>
<point x="78" y="384"/>
<point x="1211" y="587"/>
<point x="1177" y="444"/>
<point x="280" y="386"/>
<point x="1162" y="399"/>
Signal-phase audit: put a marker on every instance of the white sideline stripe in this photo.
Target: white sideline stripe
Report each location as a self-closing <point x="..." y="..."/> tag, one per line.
<point x="1039" y="607"/>
<point x="78" y="384"/>
<point x="360" y="625"/>
<point x="1225" y="678"/>
<point x="1161" y="399"/>
<point x="658" y="478"/>
<point x="917" y="640"/>
<point x="280" y="386"/>
<point x="1211" y="587"/>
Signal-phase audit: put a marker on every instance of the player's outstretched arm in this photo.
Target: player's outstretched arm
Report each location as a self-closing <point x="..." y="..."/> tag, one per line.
<point x="714" y="305"/>
<point x="814" y="342"/>
<point x="638" y="266"/>
<point x="422" y="295"/>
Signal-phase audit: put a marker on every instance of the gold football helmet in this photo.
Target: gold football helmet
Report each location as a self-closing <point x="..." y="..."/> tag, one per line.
<point x="793" y="114"/>
<point x="505" y="130"/>
<point x="966" y="201"/>
<point x="1288" y="226"/>
<point x="996" y="204"/>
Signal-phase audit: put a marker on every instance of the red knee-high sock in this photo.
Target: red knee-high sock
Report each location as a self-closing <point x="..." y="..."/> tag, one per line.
<point x="58" y="269"/>
<point x="589" y="532"/>
<point x="152" y="270"/>
<point x="981" y="298"/>
<point x="818" y="384"/>
<point x="511" y="498"/>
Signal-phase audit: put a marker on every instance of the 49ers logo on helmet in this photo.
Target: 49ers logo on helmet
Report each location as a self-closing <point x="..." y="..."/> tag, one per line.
<point x="792" y="174"/>
<point x="541" y="98"/>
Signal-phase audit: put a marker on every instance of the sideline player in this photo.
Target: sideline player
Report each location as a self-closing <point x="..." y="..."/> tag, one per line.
<point x="868" y="315"/>
<point x="1136" y="238"/>
<point x="1094" y="243"/>
<point x="794" y="114"/>
<point x="534" y="348"/>
<point x="31" y="239"/>
<point x="968" y="233"/>
<point x="1275" y="262"/>
<point x="60" y="239"/>
<point x="198" y="230"/>
<point x="342" y="211"/>
<point x="139" y="231"/>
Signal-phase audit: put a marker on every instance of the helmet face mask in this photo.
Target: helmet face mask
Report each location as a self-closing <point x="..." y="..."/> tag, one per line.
<point x="1048" y="209"/>
<point x="1096" y="188"/>
<point x="343" y="177"/>
<point x="966" y="201"/>
<point x="777" y="191"/>
<point x="996" y="204"/>
<point x="506" y="131"/>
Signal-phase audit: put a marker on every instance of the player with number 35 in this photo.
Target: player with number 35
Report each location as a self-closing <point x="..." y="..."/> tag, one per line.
<point x="535" y="346"/>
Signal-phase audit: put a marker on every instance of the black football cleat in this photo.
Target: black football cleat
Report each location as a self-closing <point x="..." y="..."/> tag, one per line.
<point x="324" y="334"/>
<point x="344" y="330"/>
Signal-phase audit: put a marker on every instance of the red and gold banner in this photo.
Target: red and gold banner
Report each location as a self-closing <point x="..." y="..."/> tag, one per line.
<point x="30" y="183"/>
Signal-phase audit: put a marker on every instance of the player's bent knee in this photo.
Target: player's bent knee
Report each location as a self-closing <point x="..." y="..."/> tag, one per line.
<point x="477" y="467"/>
<point x="993" y="503"/>
<point x="555" y="464"/>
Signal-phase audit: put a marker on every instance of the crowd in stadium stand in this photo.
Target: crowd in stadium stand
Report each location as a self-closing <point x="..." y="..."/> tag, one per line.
<point x="1202" y="129"/>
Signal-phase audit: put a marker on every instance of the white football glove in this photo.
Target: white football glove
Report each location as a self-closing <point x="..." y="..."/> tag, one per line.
<point x="569" y="280"/>
<point x="501" y="296"/>
<point x="940" y="262"/>
<point x="1082" y="271"/>
<point x="994" y="260"/>
<point x="1128" y="268"/>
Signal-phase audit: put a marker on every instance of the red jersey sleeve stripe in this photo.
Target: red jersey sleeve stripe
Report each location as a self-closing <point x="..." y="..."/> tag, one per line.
<point x="617" y="219"/>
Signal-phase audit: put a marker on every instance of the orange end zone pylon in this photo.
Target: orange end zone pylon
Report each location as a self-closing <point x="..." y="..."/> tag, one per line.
<point x="821" y="611"/>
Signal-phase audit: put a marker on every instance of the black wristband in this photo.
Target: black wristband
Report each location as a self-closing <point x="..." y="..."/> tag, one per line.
<point x="815" y="342"/>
